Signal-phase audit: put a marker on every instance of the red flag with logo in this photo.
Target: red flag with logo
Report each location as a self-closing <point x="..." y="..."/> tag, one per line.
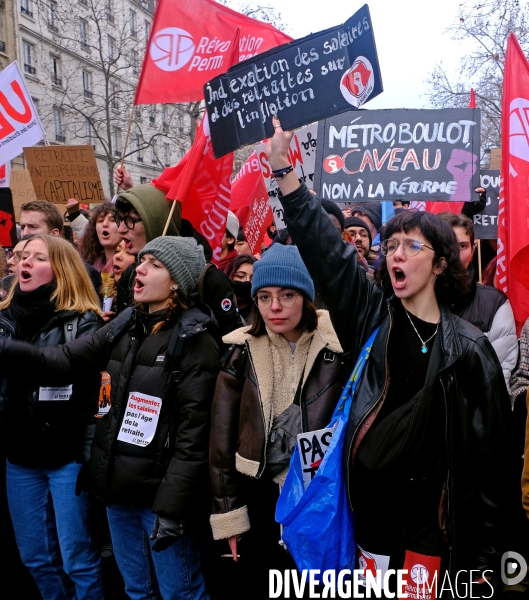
<point x="512" y="272"/>
<point x="202" y="183"/>
<point x="260" y="217"/>
<point x="190" y="44"/>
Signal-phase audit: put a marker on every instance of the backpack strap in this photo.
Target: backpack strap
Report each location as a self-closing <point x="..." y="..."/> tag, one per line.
<point x="200" y="284"/>
<point x="70" y="328"/>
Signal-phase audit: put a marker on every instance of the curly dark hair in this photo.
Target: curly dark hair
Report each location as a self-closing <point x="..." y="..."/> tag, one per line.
<point x="89" y="246"/>
<point x="454" y="281"/>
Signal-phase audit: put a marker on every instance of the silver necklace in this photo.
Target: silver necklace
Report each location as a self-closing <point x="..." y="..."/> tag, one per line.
<point x="424" y="348"/>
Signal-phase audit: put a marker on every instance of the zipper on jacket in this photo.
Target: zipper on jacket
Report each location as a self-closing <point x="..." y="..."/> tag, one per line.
<point x="364" y="418"/>
<point x="261" y="469"/>
<point x="450" y="547"/>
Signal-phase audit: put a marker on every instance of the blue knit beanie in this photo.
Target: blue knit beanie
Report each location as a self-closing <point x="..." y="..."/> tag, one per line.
<point x="281" y="266"/>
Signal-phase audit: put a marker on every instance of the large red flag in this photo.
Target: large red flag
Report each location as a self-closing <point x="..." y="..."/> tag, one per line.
<point x="202" y="183"/>
<point x="512" y="274"/>
<point x="190" y="44"/>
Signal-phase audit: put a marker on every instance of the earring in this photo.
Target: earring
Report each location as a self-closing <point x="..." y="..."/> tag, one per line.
<point x="173" y="288"/>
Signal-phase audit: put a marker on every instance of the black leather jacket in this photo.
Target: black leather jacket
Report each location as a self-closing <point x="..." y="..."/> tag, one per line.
<point x="469" y="383"/>
<point x="46" y="434"/>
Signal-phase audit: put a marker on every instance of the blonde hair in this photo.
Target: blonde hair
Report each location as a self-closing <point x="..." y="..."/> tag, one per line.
<point x="74" y="288"/>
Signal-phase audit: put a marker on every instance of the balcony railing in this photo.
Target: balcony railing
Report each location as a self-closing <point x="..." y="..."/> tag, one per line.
<point x="29" y="69"/>
<point x="56" y="80"/>
<point x="2" y="46"/>
<point x="60" y="138"/>
<point x="88" y="94"/>
<point x="26" y="11"/>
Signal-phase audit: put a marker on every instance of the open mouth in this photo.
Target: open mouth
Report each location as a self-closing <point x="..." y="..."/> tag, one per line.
<point x="116" y="269"/>
<point x="138" y="285"/>
<point x="399" y="278"/>
<point x="105" y="234"/>
<point x="127" y="243"/>
<point x="25" y="275"/>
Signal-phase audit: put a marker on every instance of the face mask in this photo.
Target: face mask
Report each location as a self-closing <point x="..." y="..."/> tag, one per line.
<point x="242" y="290"/>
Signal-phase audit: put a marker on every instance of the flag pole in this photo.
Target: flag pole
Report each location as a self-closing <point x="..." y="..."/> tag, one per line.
<point x="169" y="218"/>
<point x="126" y="139"/>
<point x="479" y="262"/>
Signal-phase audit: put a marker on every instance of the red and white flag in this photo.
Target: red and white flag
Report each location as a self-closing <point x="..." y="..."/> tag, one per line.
<point x="512" y="272"/>
<point x="19" y="122"/>
<point x="5" y="174"/>
<point x="190" y="44"/>
<point x="202" y="183"/>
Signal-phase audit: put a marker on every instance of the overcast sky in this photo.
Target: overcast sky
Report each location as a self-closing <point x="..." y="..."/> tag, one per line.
<point x="410" y="37"/>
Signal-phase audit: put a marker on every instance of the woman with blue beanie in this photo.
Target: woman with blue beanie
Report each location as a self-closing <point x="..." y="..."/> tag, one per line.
<point x="283" y="376"/>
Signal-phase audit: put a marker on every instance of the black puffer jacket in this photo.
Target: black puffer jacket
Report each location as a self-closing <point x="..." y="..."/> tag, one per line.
<point x="171" y="472"/>
<point x="46" y="433"/>
<point x="469" y="383"/>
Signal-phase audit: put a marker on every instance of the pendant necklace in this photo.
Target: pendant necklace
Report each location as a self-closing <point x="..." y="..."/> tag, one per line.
<point x="424" y="348"/>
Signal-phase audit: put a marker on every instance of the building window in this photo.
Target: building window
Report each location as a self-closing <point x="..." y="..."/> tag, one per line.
<point x="139" y="156"/>
<point x="88" y="131"/>
<point x="2" y="43"/>
<point x="52" y="17"/>
<point x="25" y="8"/>
<point x="147" y="29"/>
<point x="27" y="50"/>
<point x="143" y="180"/>
<point x="114" y="96"/>
<point x="180" y="124"/>
<point x="137" y="112"/>
<point x="83" y="33"/>
<point x="116" y="140"/>
<point x="133" y="28"/>
<point x="111" y="47"/>
<point x="87" y="84"/>
<point x="166" y="155"/>
<point x="164" y="115"/>
<point x="109" y="11"/>
<point x="134" y="62"/>
<point x="56" y="77"/>
<point x="152" y="114"/>
<point x="59" y="130"/>
<point x="153" y="155"/>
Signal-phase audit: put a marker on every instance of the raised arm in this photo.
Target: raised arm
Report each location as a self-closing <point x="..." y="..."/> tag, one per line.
<point x="353" y="301"/>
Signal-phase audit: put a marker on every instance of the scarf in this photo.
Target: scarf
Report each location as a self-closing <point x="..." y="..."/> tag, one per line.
<point x="32" y="310"/>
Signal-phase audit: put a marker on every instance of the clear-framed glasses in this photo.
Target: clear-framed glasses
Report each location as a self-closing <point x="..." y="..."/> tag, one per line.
<point x="130" y="222"/>
<point x="286" y="298"/>
<point x="410" y="246"/>
<point x="12" y="255"/>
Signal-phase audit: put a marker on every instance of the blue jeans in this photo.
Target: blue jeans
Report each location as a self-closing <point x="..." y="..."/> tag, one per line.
<point x="51" y="530"/>
<point x="172" y="574"/>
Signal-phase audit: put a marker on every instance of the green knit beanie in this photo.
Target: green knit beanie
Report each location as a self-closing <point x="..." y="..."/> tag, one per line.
<point x="181" y="256"/>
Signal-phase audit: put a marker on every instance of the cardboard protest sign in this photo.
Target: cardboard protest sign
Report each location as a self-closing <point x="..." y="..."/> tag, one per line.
<point x="486" y="222"/>
<point x="8" y="230"/>
<point x="301" y="155"/>
<point x="323" y="74"/>
<point x="313" y="446"/>
<point x="5" y="174"/>
<point x="399" y="155"/>
<point x="259" y="218"/>
<point x="22" y="189"/>
<point x="62" y="172"/>
<point x="19" y="122"/>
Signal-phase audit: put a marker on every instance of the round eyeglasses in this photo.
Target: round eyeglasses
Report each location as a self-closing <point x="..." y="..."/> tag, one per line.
<point x="130" y="222"/>
<point x="410" y="246"/>
<point x="285" y="298"/>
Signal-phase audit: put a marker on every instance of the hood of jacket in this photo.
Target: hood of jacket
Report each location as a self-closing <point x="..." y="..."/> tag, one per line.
<point x="153" y="208"/>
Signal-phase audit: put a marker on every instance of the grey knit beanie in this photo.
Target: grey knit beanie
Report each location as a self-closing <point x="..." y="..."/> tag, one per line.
<point x="181" y="256"/>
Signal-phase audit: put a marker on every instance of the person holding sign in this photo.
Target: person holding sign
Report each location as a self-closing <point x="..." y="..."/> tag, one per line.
<point x="426" y="447"/>
<point x="48" y="427"/>
<point x="283" y="376"/>
<point x="150" y="450"/>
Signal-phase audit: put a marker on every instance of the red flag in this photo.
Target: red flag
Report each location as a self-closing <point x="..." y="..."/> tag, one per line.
<point x="512" y="272"/>
<point x="472" y="103"/>
<point x="244" y="185"/>
<point x="259" y="218"/>
<point x="190" y="44"/>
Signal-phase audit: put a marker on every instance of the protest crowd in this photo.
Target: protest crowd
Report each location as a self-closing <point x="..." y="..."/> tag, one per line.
<point x="261" y="384"/>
